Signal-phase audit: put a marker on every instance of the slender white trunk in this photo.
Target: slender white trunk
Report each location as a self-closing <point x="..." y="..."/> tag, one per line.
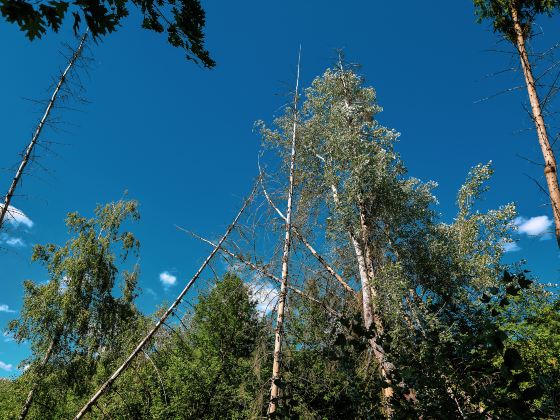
<point x="550" y="169"/>
<point x="310" y="248"/>
<point x="385" y="367"/>
<point x="365" y="270"/>
<point x="279" y="331"/>
<point x="266" y="273"/>
<point x="35" y="138"/>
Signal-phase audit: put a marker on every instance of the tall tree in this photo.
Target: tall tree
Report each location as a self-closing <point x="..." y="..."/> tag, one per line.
<point x="275" y="388"/>
<point x="183" y="20"/>
<point x="348" y="167"/>
<point x="27" y="155"/>
<point x="75" y="317"/>
<point x="514" y="20"/>
<point x="354" y="194"/>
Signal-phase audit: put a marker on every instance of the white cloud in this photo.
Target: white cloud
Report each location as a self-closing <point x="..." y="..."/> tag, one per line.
<point x="11" y="240"/>
<point x="7" y="337"/>
<point x="265" y="295"/>
<point x="15" y="242"/>
<point x="167" y="279"/>
<point x="6" y="308"/>
<point x="5" y="366"/>
<point x="534" y="226"/>
<point x="511" y="247"/>
<point x="16" y="217"/>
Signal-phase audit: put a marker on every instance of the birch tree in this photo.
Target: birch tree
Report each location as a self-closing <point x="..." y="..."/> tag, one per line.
<point x="514" y="19"/>
<point x="75" y="317"/>
<point x="348" y="166"/>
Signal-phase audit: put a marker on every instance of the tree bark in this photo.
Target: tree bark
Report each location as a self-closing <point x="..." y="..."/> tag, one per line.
<point x="368" y="313"/>
<point x="35" y="138"/>
<point x="386" y="368"/>
<point x="550" y="169"/>
<point x="279" y="331"/>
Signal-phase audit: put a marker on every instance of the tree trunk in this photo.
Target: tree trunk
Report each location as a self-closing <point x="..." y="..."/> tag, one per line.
<point x="371" y="319"/>
<point x="28" y="151"/>
<point x="368" y="314"/>
<point x="548" y="154"/>
<point x="29" y="399"/>
<point x="279" y="331"/>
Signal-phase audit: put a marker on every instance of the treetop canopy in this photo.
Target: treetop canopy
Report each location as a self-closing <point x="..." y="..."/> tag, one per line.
<point x="183" y="20"/>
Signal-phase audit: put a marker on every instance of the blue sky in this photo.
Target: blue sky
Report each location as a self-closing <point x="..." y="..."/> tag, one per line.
<point x="179" y="138"/>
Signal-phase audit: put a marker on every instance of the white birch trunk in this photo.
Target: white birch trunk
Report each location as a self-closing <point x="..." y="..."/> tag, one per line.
<point x="279" y="331"/>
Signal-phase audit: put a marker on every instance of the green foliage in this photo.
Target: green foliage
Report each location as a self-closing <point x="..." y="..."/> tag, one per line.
<point x="184" y="25"/>
<point x="213" y="375"/>
<point x="327" y="373"/>
<point x="208" y="370"/>
<point x="468" y="336"/>
<point x="499" y="13"/>
<point x="75" y="312"/>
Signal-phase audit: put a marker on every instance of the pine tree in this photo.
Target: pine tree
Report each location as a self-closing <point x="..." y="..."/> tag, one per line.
<point x="514" y="20"/>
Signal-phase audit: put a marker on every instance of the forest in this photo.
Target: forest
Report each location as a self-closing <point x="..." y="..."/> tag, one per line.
<point x="173" y="270"/>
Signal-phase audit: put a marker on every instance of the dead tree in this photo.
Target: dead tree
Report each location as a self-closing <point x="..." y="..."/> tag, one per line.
<point x="5" y="208"/>
<point x="279" y="330"/>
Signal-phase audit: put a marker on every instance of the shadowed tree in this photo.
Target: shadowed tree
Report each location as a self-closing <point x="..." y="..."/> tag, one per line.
<point x="182" y="20"/>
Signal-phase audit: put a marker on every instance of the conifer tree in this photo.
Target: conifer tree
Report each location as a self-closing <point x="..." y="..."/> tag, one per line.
<point x="514" y="19"/>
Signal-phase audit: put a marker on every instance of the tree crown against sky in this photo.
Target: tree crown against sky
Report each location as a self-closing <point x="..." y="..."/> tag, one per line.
<point x="499" y="13"/>
<point x="440" y="295"/>
<point x="453" y="266"/>
<point x="76" y="308"/>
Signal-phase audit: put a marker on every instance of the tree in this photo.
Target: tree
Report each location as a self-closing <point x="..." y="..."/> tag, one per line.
<point x="380" y="229"/>
<point x="206" y="368"/>
<point x="5" y="208"/>
<point x="514" y="20"/>
<point x="74" y="318"/>
<point x="183" y="20"/>
<point x="276" y="379"/>
<point x="348" y="169"/>
<point x="212" y="374"/>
